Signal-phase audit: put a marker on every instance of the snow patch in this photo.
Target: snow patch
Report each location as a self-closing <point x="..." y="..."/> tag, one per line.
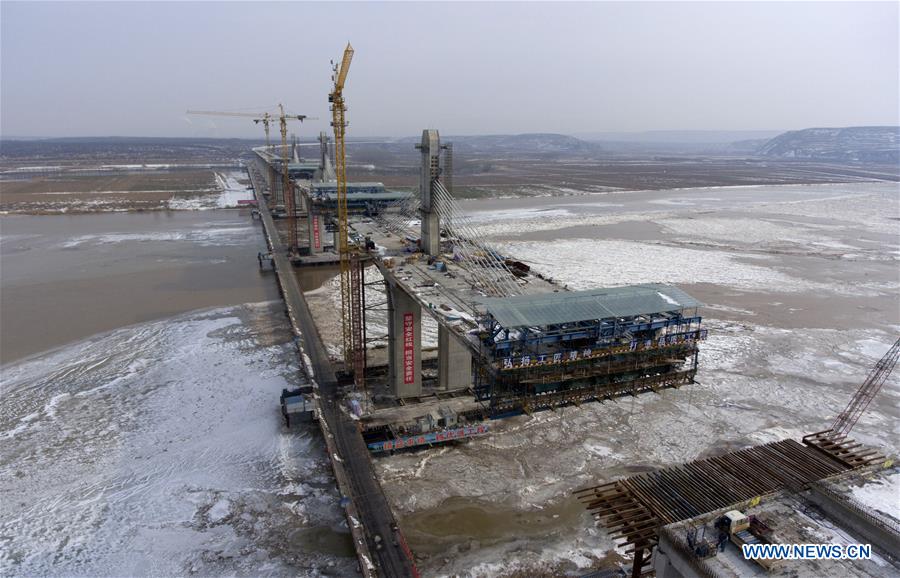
<point x="883" y="495"/>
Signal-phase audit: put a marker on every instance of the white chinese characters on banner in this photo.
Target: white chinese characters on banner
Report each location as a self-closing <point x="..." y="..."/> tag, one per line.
<point x="409" y="348"/>
<point x="588" y="353"/>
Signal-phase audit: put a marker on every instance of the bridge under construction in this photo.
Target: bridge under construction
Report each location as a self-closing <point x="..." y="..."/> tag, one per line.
<point x="510" y="341"/>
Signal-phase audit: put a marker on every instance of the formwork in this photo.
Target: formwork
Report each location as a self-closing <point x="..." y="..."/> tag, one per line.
<point x="635" y="508"/>
<point x="541" y="351"/>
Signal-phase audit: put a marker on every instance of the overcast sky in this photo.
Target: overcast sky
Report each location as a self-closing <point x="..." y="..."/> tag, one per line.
<point x="133" y="69"/>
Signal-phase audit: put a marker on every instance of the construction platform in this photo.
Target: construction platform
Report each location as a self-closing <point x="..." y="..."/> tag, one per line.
<point x="324" y="259"/>
<point x="431" y="419"/>
<point x="545" y="324"/>
<point x="634" y="509"/>
<point x="820" y="516"/>
<point x="410" y="410"/>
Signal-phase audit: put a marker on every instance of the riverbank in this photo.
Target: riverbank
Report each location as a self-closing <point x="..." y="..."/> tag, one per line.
<point x="125" y="192"/>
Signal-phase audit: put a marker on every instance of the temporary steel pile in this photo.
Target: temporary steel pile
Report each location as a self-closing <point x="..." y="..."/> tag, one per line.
<point x="635" y="508"/>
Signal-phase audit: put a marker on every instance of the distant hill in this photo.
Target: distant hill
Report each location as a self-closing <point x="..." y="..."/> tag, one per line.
<point x="537" y="142"/>
<point x="131" y="150"/>
<point x="530" y="143"/>
<point x="866" y="144"/>
<point x="696" y="137"/>
<point x="127" y="139"/>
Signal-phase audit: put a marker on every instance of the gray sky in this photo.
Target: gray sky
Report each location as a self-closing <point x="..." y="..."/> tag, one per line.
<point x="97" y="69"/>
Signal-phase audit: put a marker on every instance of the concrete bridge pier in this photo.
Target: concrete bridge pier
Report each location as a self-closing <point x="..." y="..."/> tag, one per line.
<point x="301" y="204"/>
<point x="274" y="182"/>
<point x="404" y="342"/>
<point x="454" y="361"/>
<point x="264" y="169"/>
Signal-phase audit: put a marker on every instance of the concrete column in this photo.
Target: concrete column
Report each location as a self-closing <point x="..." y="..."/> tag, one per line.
<point x="429" y="171"/>
<point x="300" y="202"/>
<point x="662" y="564"/>
<point x="274" y="185"/>
<point x="454" y="361"/>
<point x="431" y="233"/>
<point x="404" y="343"/>
<point x="673" y="558"/>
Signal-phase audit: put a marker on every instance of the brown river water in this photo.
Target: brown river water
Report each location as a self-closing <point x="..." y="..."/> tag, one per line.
<point x="64" y="278"/>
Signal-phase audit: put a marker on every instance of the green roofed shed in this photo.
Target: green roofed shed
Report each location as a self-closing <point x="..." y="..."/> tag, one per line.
<point x="590" y="305"/>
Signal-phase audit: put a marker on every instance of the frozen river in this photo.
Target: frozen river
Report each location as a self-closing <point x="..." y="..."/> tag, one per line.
<point x="803" y="296"/>
<point x="144" y="355"/>
<point x="140" y="426"/>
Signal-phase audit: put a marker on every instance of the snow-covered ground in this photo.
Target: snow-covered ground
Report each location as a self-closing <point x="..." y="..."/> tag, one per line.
<point x="882" y="495"/>
<point x="325" y="300"/>
<point x="158" y="449"/>
<point x="862" y="204"/>
<point x="232" y="190"/>
<point x="229" y="192"/>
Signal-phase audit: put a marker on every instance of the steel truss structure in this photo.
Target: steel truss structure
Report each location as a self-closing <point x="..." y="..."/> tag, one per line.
<point x="532" y="368"/>
<point x="634" y="509"/>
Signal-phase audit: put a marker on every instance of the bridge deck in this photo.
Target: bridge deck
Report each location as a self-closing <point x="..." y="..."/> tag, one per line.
<point x="453" y="297"/>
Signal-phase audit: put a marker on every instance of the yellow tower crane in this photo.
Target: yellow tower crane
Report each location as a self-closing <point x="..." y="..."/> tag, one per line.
<point x="287" y="187"/>
<point x="287" y="193"/>
<point x="258" y="117"/>
<point x="352" y="306"/>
